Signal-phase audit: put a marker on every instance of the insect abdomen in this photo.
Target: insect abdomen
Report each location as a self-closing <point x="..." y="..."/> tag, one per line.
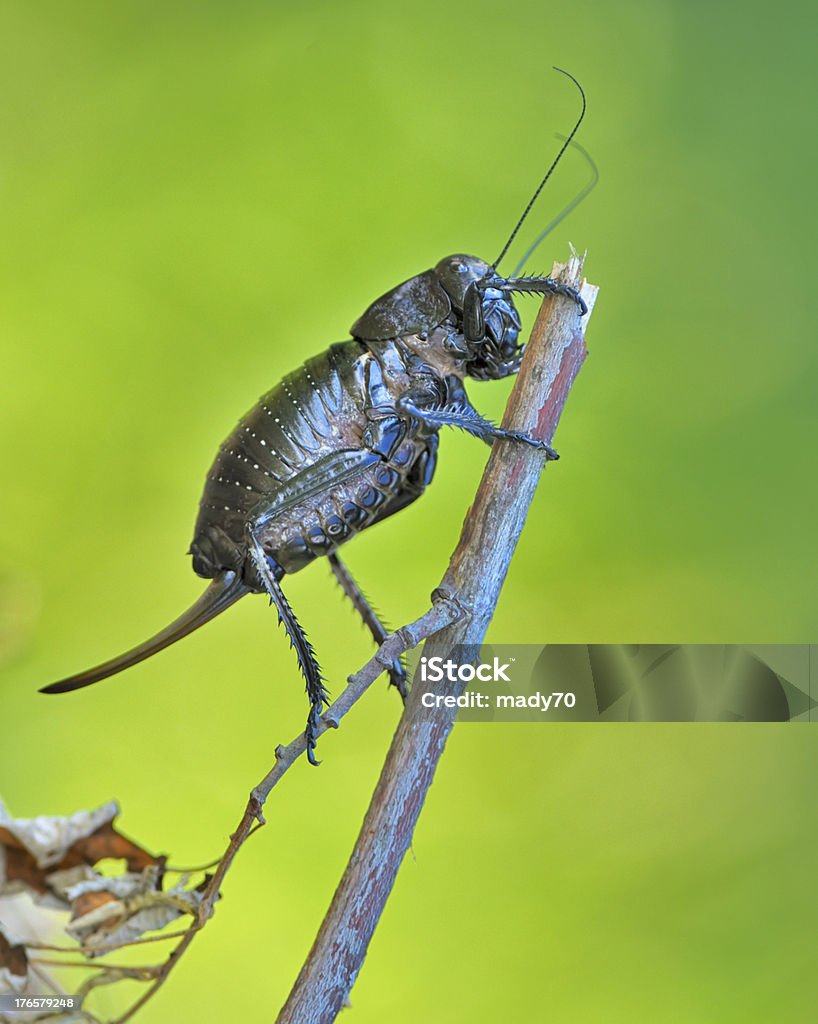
<point x="286" y="431"/>
<point x="316" y="410"/>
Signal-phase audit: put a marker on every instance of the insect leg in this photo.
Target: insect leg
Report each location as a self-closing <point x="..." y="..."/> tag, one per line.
<point x="543" y="286"/>
<point x="466" y="417"/>
<point x="474" y="326"/>
<point x="397" y="671"/>
<point x="319" y="478"/>
<point x="307" y="662"/>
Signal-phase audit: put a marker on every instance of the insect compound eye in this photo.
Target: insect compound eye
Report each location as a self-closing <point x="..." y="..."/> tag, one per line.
<point x="457" y="272"/>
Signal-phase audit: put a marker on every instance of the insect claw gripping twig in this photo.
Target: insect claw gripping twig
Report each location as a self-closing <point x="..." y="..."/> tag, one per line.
<point x="547" y="285"/>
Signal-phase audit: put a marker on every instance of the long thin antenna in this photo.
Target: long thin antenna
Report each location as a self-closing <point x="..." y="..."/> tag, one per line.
<point x="550" y="170"/>
<point x="584" y="191"/>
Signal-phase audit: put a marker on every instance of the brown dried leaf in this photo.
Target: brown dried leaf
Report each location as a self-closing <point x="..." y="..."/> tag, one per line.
<point x="18" y="870"/>
<point x="31" y="849"/>
<point x="49" y="838"/>
<point x="13" y="958"/>
<point x="88" y="901"/>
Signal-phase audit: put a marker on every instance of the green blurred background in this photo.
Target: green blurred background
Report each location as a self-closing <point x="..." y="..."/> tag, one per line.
<point x="195" y="198"/>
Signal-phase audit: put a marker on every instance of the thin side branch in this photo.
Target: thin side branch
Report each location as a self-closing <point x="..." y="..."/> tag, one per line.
<point x="471" y="585"/>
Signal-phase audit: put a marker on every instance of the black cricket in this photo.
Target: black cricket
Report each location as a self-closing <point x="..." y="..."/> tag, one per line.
<point x="348" y="439"/>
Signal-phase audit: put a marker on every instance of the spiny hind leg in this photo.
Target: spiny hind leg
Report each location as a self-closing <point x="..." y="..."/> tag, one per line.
<point x="327" y="472"/>
<point x="397" y="670"/>
<point x="307" y="662"/>
<point x="465" y="417"/>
